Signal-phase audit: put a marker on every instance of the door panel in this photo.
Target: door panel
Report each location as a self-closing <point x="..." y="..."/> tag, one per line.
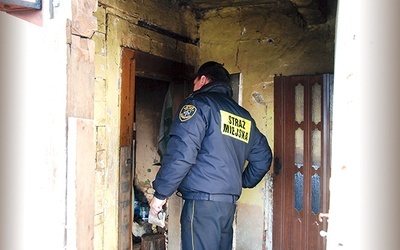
<point x="302" y="145"/>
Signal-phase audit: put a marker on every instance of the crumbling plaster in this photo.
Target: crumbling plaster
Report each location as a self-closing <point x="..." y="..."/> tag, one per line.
<point x="117" y="28"/>
<point x="257" y="41"/>
<point x="260" y="42"/>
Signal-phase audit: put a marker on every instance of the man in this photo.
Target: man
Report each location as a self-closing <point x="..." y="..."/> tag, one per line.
<point x="211" y="139"/>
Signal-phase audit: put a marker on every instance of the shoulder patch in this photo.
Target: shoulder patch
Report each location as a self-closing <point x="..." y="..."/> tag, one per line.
<point x="187" y="112"/>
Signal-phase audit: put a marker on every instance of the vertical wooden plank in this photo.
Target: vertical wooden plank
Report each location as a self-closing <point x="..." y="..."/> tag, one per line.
<point x="81" y="180"/>
<point x="126" y="140"/>
<point x="290" y="214"/>
<point x="127" y="97"/>
<point x="125" y="199"/>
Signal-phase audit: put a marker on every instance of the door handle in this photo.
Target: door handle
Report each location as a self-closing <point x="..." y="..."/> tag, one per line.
<point x="321" y="216"/>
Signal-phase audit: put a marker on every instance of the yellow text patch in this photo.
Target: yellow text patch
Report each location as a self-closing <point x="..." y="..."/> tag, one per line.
<point x="235" y="126"/>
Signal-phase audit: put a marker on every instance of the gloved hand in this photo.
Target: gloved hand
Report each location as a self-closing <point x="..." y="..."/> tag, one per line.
<point x="156" y="205"/>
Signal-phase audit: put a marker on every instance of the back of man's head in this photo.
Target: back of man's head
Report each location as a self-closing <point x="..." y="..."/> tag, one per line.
<point x="214" y="71"/>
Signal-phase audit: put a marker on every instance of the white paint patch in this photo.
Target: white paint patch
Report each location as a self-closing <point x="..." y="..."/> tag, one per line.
<point x="244" y="31"/>
<point x="258" y="98"/>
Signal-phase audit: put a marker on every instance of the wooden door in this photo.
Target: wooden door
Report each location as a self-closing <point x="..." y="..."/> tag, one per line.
<point x="302" y="146"/>
<point x="126" y="148"/>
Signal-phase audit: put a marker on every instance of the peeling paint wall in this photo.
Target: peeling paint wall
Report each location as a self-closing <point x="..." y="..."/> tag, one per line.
<point x="121" y="24"/>
<point x="148" y="118"/>
<point x="260" y="42"/>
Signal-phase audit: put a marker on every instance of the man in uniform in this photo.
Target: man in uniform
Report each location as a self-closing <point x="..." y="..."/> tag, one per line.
<point x="211" y="139"/>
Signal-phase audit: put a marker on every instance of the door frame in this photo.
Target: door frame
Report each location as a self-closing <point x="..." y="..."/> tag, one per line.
<point x="137" y="63"/>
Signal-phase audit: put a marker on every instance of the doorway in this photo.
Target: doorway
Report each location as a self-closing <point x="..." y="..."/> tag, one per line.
<point x="302" y="147"/>
<point x="147" y="81"/>
<point x="149" y="99"/>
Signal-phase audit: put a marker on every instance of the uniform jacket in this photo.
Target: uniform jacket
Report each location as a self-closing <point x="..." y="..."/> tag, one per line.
<point x="211" y="138"/>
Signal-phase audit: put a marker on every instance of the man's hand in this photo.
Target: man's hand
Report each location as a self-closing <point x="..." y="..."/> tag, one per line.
<point x="156" y="205"/>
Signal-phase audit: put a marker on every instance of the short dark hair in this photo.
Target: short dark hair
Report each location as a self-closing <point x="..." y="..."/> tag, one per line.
<point x="214" y="71"/>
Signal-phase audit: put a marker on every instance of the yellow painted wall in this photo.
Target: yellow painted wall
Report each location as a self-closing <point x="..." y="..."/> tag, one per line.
<point x="117" y="28"/>
<point x="261" y="42"/>
<point x="258" y="42"/>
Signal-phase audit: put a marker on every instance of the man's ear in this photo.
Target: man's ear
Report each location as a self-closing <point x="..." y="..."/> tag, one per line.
<point x="204" y="80"/>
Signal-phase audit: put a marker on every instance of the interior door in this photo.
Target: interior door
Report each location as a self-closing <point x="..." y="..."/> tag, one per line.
<point x="302" y="147"/>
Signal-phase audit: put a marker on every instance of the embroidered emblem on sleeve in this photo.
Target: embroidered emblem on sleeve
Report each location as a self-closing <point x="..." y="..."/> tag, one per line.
<point x="235" y="126"/>
<point x="187" y="112"/>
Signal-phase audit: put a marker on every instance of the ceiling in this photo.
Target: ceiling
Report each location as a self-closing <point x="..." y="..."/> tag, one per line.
<point x="212" y="4"/>
<point x="312" y="11"/>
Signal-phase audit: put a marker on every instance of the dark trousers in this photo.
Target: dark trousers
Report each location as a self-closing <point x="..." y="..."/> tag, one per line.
<point x="207" y="225"/>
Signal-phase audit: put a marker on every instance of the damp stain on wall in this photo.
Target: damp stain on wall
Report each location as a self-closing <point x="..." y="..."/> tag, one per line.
<point x="258" y="98"/>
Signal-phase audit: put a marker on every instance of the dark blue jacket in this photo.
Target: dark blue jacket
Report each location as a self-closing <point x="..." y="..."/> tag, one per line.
<point x="210" y="140"/>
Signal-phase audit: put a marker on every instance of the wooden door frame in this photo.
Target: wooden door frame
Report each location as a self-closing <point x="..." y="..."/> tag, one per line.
<point x="282" y="148"/>
<point x="126" y="145"/>
<point x="137" y="63"/>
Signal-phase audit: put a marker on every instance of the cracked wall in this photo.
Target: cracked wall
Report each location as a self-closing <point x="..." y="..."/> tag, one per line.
<point x="123" y="24"/>
<point x="261" y="42"/>
<point x="258" y="42"/>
